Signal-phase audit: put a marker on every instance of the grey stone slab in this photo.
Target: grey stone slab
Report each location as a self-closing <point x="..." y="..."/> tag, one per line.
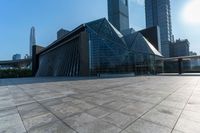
<point x="98" y="126"/>
<point x="98" y="100"/>
<point x="116" y="105"/>
<point x="84" y="105"/>
<point x="79" y="120"/>
<point x="190" y="115"/>
<point x="31" y="110"/>
<point x="50" y="102"/>
<point x="5" y="103"/>
<point x="37" y="121"/>
<point x="99" y="112"/>
<point x="54" y="127"/>
<point x="120" y="120"/>
<point x="8" y="111"/>
<point x="108" y="104"/>
<point x="142" y="126"/>
<point x="187" y="126"/>
<point x="47" y="96"/>
<point x="23" y="100"/>
<point x="173" y="104"/>
<point x="64" y="110"/>
<point x="163" y="116"/>
<point x="137" y="108"/>
<point x="193" y="107"/>
<point x="11" y="124"/>
<point x="176" y="131"/>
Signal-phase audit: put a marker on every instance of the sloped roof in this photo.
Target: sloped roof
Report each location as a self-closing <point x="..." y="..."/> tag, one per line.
<point x="138" y="43"/>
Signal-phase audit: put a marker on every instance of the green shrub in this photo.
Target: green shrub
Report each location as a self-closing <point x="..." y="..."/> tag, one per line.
<point x="15" y="73"/>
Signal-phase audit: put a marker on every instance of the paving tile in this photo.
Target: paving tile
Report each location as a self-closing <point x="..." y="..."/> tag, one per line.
<point x="137" y="108"/>
<point x="23" y="100"/>
<point x="193" y="107"/>
<point x="53" y="127"/>
<point x="98" y="100"/>
<point x="98" y="126"/>
<point x="163" y="115"/>
<point x="116" y="105"/>
<point x="118" y="119"/>
<point x="187" y="126"/>
<point x="37" y="121"/>
<point x="189" y="115"/>
<point x="11" y="124"/>
<point x="84" y="105"/>
<point x="100" y="105"/>
<point x="64" y="110"/>
<point x="99" y="112"/>
<point x="8" y="111"/>
<point x="142" y="126"/>
<point x="176" y="131"/>
<point x="31" y="110"/>
<point x="79" y="120"/>
<point x="175" y="101"/>
<point x="6" y="102"/>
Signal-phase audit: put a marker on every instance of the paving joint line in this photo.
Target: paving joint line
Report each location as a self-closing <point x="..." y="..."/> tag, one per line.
<point x="150" y="109"/>
<point x="49" y="111"/>
<point x="185" y="106"/>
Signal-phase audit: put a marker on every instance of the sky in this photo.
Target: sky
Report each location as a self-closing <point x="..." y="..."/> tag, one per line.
<point x="48" y="16"/>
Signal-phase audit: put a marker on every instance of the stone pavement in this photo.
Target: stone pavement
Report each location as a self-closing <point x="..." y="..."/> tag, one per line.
<point x="146" y="104"/>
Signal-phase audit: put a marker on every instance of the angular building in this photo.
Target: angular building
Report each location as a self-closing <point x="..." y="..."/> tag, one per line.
<point x="118" y="14"/>
<point x="158" y="13"/>
<point x="32" y="40"/>
<point x="152" y="34"/>
<point x="97" y="48"/>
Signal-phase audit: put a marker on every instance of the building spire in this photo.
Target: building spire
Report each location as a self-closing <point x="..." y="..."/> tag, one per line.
<point x="32" y="40"/>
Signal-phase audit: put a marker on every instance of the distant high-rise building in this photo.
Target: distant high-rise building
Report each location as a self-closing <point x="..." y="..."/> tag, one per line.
<point x="16" y="57"/>
<point x="158" y="13"/>
<point x="118" y="14"/>
<point x="180" y="48"/>
<point x="62" y="32"/>
<point x="192" y="53"/>
<point x="32" y="40"/>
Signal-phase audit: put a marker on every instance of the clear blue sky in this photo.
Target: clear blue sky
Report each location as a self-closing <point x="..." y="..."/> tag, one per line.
<point x="17" y="17"/>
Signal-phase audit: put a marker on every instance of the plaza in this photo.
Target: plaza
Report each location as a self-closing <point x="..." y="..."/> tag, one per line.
<point x="143" y="104"/>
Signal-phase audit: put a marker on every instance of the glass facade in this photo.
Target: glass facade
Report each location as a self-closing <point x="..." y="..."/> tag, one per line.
<point x="112" y="52"/>
<point x="187" y="64"/>
<point x="158" y="13"/>
<point x="98" y="48"/>
<point x="118" y="14"/>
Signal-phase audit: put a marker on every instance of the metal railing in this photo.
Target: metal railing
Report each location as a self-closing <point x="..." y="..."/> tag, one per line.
<point x="184" y="64"/>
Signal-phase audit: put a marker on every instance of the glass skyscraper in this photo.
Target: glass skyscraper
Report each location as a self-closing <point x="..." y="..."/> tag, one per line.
<point x="32" y="40"/>
<point x="118" y="14"/>
<point x="158" y="13"/>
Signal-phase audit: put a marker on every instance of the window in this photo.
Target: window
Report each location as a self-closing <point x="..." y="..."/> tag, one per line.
<point x="125" y="2"/>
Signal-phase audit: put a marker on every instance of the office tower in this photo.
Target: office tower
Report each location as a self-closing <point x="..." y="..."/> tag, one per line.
<point x="16" y="57"/>
<point x="118" y="14"/>
<point x="32" y="40"/>
<point x="180" y="48"/>
<point x="158" y="13"/>
<point x="62" y="32"/>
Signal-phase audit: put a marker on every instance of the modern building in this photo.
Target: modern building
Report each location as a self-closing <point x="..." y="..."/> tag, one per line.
<point x="96" y="48"/>
<point x="118" y="14"/>
<point x="180" y="48"/>
<point x="192" y="53"/>
<point x="62" y="32"/>
<point x="152" y="34"/>
<point x="16" y="57"/>
<point x="32" y="40"/>
<point x="158" y="13"/>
